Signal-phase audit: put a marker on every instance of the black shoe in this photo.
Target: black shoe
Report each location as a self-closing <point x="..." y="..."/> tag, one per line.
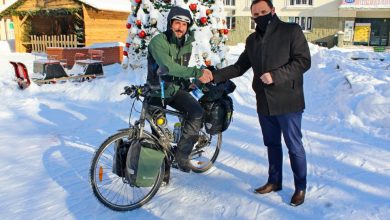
<point x="298" y="198"/>
<point x="268" y="187"/>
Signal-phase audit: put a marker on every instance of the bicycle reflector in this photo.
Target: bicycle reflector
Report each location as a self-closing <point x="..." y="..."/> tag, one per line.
<point x="101" y="173"/>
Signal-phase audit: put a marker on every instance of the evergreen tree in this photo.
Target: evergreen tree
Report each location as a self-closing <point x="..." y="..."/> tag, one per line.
<point x="149" y="18"/>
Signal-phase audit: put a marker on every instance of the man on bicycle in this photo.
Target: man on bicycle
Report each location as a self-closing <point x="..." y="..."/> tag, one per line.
<point x="171" y="51"/>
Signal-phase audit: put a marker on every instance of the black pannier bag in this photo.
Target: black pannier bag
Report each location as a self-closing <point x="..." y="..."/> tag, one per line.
<point x="119" y="162"/>
<point x="143" y="162"/>
<point x="218" y="106"/>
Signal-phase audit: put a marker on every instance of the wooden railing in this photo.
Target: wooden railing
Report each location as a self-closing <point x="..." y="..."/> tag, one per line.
<point x="40" y="43"/>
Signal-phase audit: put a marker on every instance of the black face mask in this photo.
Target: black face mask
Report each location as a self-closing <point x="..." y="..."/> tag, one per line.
<point x="263" y="21"/>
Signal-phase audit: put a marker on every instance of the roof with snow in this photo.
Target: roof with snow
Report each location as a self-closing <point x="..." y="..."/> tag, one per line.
<point x="104" y="5"/>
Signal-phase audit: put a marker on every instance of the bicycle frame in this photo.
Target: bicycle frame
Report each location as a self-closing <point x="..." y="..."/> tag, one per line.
<point x="163" y="139"/>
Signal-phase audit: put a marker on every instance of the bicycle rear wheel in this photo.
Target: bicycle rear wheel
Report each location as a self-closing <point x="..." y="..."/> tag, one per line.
<point x="205" y="151"/>
<point x="112" y="190"/>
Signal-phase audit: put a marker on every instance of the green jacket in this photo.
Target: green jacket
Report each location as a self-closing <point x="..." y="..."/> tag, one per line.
<point x="165" y="50"/>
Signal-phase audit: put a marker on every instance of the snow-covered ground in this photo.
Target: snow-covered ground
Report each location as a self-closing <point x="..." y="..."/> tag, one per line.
<point x="48" y="135"/>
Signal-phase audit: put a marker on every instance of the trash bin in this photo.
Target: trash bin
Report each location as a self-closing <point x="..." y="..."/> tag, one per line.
<point x="322" y="43"/>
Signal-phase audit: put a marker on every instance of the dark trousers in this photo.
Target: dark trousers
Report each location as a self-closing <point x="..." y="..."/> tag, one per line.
<point x="290" y="126"/>
<point x="184" y="102"/>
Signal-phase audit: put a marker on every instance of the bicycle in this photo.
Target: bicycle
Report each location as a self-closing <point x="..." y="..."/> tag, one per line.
<point x="114" y="191"/>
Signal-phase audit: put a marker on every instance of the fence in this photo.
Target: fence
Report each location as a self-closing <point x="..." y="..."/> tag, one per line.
<point x="40" y="43"/>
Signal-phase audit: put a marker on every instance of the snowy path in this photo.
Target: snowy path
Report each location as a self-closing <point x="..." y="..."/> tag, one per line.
<point x="48" y="135"/>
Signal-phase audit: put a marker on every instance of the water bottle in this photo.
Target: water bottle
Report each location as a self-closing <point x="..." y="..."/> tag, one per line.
<point x="197" y="92"/>
<point x="176" y="132"/>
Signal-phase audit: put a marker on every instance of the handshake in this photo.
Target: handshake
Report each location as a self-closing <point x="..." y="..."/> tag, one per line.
<point x="206" y="77"/>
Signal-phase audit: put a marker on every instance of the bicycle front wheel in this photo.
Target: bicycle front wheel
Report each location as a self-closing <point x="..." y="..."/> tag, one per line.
<point x="205" y="151"/>
<point x="110" y="188"/>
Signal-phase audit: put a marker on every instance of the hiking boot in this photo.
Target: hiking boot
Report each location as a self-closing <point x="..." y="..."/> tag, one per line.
<point x="183" y="166"/>
<point x="181" y="162"/>
<point x="298" y="198"/>
<point x="268" y="187"/>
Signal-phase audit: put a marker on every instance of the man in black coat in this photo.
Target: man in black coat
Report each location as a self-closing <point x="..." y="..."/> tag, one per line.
<point x="279" y="55"/>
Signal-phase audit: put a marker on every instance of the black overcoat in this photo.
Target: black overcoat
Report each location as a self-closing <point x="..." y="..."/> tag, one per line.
<point x="283" y="51"/>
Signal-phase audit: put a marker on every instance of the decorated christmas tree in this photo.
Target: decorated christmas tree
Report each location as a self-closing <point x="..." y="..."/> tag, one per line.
<point x="149" y="18"/>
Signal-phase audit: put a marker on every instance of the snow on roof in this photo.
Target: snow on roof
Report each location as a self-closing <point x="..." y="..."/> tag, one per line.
<point x="7" y="5"/>
<point x="111" y="5"/>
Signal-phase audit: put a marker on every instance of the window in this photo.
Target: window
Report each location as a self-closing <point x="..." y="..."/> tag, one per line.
<point x="304" y="22"/>
<point x="231" y="22"/>
<point x="301" y="2"/>
<point x="229" y="2"/>
<point x="308" y="24"/>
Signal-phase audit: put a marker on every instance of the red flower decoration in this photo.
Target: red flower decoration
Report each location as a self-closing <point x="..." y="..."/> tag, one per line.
<point x="203" y="20"/>
<point x="193" y="7"/>
<point x="142" y="34"/>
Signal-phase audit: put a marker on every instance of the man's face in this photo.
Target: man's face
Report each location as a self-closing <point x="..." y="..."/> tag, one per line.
<point x="261" y="9"/>
<point x="179" y="28"/>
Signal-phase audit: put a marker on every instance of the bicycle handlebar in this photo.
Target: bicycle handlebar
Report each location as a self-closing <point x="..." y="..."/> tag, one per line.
<point x="136" y="91"/>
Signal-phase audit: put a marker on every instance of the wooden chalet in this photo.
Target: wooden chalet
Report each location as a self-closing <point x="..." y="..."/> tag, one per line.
<point x="67" y="23"/>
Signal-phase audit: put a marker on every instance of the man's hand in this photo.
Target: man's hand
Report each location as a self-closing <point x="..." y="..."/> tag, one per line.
<point x="267" y="78"/>
<point x="206" y="77"/>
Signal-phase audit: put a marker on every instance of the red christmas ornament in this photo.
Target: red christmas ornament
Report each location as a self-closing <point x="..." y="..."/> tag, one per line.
<point x="193" y="7"/>
<point x="137" y="1"/>
<point x="208" y="12"/>
<point x="138" y="23"/>
<point x="225" y="31"/>
<point x="203" y="20"/>
<point x="128" y="25"/>
<point x="127" y="45"/>
<point x="125" y="54"/>
<point x="142" y="34"/>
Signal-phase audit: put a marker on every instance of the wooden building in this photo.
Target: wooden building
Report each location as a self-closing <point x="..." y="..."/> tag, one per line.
<point x="84" y="22"/>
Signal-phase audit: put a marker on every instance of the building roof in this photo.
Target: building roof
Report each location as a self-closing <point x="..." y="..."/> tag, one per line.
<point x="104" y="5"/>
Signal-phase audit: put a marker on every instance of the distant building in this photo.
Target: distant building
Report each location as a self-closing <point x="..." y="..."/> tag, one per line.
<point x="6" y="24"/>
<point x="90" y="21"/>
<point x="358" y="22"/>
